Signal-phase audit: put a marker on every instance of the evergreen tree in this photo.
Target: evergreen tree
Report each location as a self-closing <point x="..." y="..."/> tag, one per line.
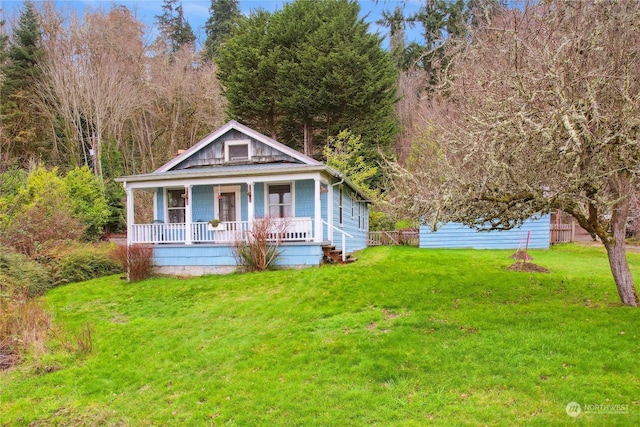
<point x="223" y="14"/>
<point x="439" y="22"/>
<point x="307" y="72"/>
<point x="175" y="30"/>
<point x="17" y="112"/>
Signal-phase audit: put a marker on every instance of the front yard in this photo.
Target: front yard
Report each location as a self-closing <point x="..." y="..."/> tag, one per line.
<point x="402" y="337"/>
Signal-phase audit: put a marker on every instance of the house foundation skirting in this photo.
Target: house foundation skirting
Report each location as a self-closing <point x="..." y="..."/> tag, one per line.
<point x="198" y="260"/>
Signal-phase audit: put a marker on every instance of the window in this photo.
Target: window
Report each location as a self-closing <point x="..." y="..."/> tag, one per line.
<point x="353" y="207"/>
<point x="176" y="206"/>
<point x="280" y="201"/>
<point x="340" y="209"/>
<point x="235" y="151"/>
<point x="360" y="215"/>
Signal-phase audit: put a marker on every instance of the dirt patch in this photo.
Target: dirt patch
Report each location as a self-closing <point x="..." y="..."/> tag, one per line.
<point x="521" y="255"/>
<point x="527" y="267"/>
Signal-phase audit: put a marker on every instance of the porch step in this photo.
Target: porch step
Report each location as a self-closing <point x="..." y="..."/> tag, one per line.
<point x="332" y="255"/>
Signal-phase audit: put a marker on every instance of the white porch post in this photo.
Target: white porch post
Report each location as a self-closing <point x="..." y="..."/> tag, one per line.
<point x="130" y="214"/>
<point x="155" y="204"/>
<point x="317" y="213"/>
<point x="330" y="212"/>
<point x="188" y="213"/>
<point x="251" y="207"/>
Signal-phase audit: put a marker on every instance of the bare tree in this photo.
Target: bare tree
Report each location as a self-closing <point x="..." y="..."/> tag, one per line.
<point x="103" y="85"/>
<point x="542" y="112"/>
<point x="182" y="103"/>
<point x="92" y="76"/>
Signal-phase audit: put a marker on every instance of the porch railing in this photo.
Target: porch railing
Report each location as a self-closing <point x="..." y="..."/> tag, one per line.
<point x="285" y="229"/>
<point x="344" y="239"/>
<point x="225" y="232"/>
<point x="157" y="233"/>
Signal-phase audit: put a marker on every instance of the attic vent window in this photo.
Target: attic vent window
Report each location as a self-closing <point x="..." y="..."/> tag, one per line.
<point x="236" y="151"/>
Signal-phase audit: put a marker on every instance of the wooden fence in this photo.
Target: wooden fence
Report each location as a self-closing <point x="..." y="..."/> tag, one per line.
<point x="562" y="233"/>
<point x="408" y="237"/>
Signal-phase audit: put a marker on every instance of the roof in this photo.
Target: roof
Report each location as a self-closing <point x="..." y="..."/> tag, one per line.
<point x="307" y="164"/>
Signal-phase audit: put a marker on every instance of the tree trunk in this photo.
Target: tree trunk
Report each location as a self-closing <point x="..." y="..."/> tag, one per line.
<point x="308" y="138"/>
<point x="621" y="273"/>
<point x="615" y="242"/>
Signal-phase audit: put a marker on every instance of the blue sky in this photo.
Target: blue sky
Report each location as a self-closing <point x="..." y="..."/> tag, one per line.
<point x="197" y="11"/>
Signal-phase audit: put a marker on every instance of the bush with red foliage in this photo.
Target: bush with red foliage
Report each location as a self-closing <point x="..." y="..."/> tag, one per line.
<point x="136" y="260"/>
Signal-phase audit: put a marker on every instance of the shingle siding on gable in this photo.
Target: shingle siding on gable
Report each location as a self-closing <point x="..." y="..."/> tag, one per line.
<point x="455" y="235"/>
<point x="213" y="154"/>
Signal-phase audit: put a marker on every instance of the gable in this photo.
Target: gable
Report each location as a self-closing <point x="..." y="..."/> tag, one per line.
<point x="235" y="144"/>
<point x="234" y="148"/>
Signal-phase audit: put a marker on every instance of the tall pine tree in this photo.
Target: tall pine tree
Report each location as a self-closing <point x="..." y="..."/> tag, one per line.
<point x="309" y="71"/>
<point x="20" y="130"/>
<point x="175" y="30"/>
<point x="223" y="14"/>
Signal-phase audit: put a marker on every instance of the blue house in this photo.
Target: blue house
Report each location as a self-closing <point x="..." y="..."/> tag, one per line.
<point x="455" y="235"/>
<point x="236" y="175"/>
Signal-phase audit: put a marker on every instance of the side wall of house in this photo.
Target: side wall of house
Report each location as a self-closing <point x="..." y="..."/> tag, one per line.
<point x="455" y="235"/>
<point x="197" y="260"/>
<point x="354" y="222"/>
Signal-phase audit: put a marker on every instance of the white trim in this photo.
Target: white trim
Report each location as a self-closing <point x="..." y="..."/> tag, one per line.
<point x="222" y="180"/>
<point x="236" y="142"/>
<point x="330" y="212"/>
<point x="227" y="189"/>
<point x="317" y="210"/>
<point x="182" y="187"/>
<point x="130" y="213"/>
<point x="291" y="184"/>
<point x="341" y="205"/>
<point x="251" y="201"/>
<point x="353" y="201"/>
<point x="188" y="213"/>
<point x="155" y="204"/>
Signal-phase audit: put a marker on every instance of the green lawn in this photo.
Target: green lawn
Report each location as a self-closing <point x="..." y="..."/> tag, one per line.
<point x="403" y="337"/>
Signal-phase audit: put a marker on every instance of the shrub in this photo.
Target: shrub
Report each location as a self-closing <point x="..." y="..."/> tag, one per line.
<point x="71" y="262"/>
<point x="44" y="221"/>
<point x="136" y="260"/>
<point x="20" y="274"/>
<point x="260" y="249"/>
<point x="88" y="200"/>
<point x="23" y="324"/>
<point x="40" y="212"/>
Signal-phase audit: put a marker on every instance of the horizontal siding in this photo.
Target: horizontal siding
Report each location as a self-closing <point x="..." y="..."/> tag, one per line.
<point x="295" y="255"/>
<point x="455" y="235"/>
<point x="349" y="222"/>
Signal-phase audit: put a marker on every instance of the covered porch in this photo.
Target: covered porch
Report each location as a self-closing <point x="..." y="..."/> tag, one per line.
<point x="222" y="211"/>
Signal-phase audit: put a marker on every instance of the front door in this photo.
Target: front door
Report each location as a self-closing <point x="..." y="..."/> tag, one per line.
<point x="227" y="206"/>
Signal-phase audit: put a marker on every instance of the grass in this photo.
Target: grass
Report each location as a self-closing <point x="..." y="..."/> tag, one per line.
<point x="403" y="337"/>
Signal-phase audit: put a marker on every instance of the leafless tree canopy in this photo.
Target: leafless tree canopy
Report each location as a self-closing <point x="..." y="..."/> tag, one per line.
<point x="104" y="87"/>
<point x="541" y="112"/>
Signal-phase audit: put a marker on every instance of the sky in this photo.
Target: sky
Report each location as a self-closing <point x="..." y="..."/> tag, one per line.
<point x="197" y="11"/>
